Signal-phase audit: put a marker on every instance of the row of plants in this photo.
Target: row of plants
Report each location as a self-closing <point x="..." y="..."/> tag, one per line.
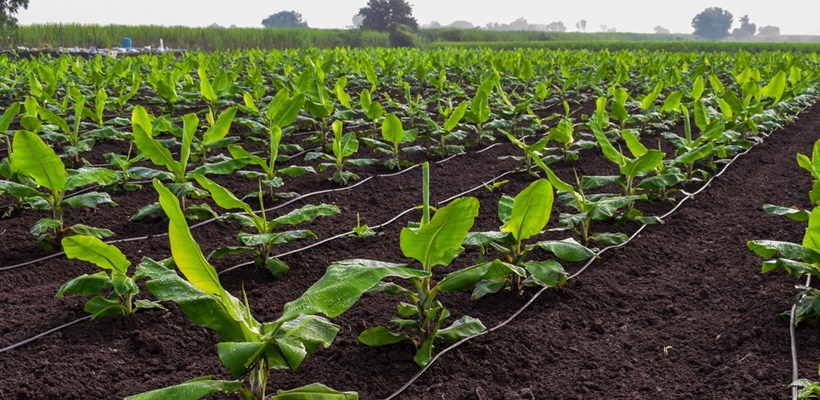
<point x="286" y="108"/>
<point x="800" y="260"/>
<point x="728" y="115"/>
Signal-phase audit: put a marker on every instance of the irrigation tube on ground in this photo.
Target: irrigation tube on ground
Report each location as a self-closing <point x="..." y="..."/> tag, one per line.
<point x="274" y="208"/>
<point x="310" y="246"/>
<point x="573" y="276"/>
<point x="44" y="334"/>
<point x="793" y="344"/>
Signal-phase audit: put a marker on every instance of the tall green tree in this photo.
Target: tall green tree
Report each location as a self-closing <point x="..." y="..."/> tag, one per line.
<point x="713" y="23"/>
<point x="285" y="19"/>
<point x="8" y="10"/>
<point x="380" y="14"/>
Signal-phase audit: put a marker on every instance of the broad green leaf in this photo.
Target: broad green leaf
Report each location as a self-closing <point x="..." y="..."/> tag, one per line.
<point x="505" y="206"/>
<point x="633" y="143"/>
<point x="191" y="390"/>
<point x="697" y="88"/>
<point x="239" y="357"/>
<point x="314" y="391"/>
<point x="770" y="248"/>
<point x="184" y="249"/>
<point x="8" y="116"/>
<point x="55" y="119"/>
<point x="275" y="238"/>
<point x="695" y="154"/>
<point x="86" y="230"/>
<point x="793" y="214"/>
<point x="643" y="164"/>
<point x="95" y="251"/>
<point x="100" y="307"/>
<point x="776" y="87"/>
<point x="34" y="158"/>
<point x="455" y="117"/>
<point x="205" y="88"/>
<point x="531" y="211"/>
<point x="154" y="150"/>
<point x="296" y="339"/>
<point x="85" y="285"/>
<point x="189" y="125"/>
<point x="483" y="238"/>
<point x="221" y="196"/>
<point x="202" y="308"/>
<point x="609" y="238"/>
<point x="672" y="102"/>
<point x="563" y="132"/>
<point x="307" y="213"/>
<point x="343" y="284"/>
<point x="439" y="242"/>
<point x="89" y="200"/>
<point x="567" y="249"/>
<point x="649" y="100"/>
<point x="381" y="336"/>
<point x="17" y="190"/>
<point x="469" y="276"/>
<point x="220" y="128"/>
<point x="392" y="130"/>
<point x="463" y="327"/>
<point x="283" y="109"/>
<point x="811" y="240"/>
<point x="547" y="273"/>
<point x="619" y="111"/>
<point x="702" y="119"/>
<point x="610" y="152"/>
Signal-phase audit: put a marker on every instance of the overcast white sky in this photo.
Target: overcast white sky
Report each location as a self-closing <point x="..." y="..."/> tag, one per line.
<point x="799" y="17"/>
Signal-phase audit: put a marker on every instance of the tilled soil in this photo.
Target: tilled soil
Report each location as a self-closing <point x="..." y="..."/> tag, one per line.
<point x="680" y="313"/>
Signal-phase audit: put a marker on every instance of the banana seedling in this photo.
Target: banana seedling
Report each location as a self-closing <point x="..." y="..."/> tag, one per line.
<point x="249" y="349"/>
<point x="158" y="153"/>
<point x="435" y="242"/>
<point x="799" y="260"/>
<point x="642" y="162"/>
<point x="266" y="237"/>
<point x="38" y="166"/>
<point x="447" y="132"/>
<point x="395" y="136"/>
<point x="524" y="217"/>
<point x="120" y="302"/>
<point x="282" y="111"/>
<point x="589" y="207"/>
<point x="342" y="147"/>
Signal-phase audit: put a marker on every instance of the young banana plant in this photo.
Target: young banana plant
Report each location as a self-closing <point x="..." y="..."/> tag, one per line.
<point x="435" y="242"/>
<point x="799" y="260"/>
<point x="249" y="348"/>
<point x="39" y="166"/>
<point x="120" y="302"/>
<point x="524" y="217"/>
<point x="642" y="162"/>
<point x="342" y="147"/>
<point x="266" y="236"/>
<point x="395" y="136"/>
<point x="178" y="171"/>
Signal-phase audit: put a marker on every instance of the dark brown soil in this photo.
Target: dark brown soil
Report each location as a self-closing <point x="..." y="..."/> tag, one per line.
<point x="680" y="313"/>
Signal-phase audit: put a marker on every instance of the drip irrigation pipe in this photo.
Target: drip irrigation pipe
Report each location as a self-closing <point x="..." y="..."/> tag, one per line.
<point x="299" y="250"/>
<point x="570" y="277"/>
<point x="44" y="334"/>
<point x="206" y="222"/>
<point x="793" y="344"/>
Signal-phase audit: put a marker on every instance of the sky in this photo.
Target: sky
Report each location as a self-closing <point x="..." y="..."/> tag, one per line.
<point x="794" y="17"/>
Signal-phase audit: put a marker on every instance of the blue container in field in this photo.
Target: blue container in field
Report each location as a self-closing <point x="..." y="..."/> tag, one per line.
<point x="126" y="43"/>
